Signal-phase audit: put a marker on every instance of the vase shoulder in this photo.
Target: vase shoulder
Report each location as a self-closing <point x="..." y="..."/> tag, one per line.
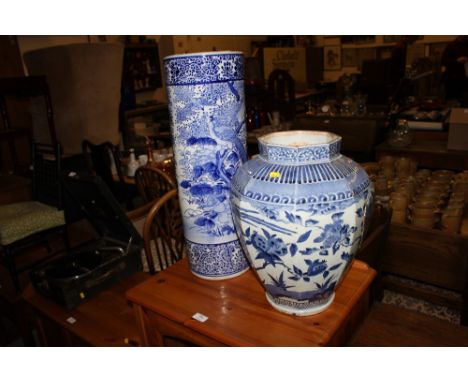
<point x="335" y="181"/>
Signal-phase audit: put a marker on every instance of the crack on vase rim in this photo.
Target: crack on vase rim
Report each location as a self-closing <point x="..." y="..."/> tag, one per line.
<point x="300" y="139"/>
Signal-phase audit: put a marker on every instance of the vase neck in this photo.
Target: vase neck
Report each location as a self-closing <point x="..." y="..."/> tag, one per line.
<point x="299" y="147"/>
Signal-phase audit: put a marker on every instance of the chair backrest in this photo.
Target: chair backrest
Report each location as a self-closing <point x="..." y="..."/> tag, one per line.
<point x="152" y="182"/>
<point x="28" y="87"/>
<point x="17" y="97"/>
<point x="163" y="233"/>
<point x="46" y="184"/>
<point x="281" y="93"/>
<point x="98" y="159"/>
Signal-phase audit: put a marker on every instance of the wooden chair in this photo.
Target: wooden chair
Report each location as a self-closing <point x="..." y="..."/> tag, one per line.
<point x="163" y="233"/>
<point x="281" y="94"/>
<point x="152" y="182"/>
<point x="26" y="223"/>
<point x="98" y="159"/>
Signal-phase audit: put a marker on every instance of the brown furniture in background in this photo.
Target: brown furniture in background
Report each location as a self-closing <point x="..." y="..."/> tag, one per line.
<point x="359" y="135"/>
<point x="238" y="312"/>
<point x="428" y="256"/>
<point x="281" y="94"/>
<point x="431" y="154"/>
<point x="141" y="69"/>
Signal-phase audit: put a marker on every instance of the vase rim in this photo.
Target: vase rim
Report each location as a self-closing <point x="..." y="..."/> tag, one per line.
<point x="211" y="53"/>
<point x="307" y="138"/>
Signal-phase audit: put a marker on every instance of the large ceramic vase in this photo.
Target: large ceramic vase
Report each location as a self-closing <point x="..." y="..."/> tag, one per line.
<point x="300" y="209"/>
<point x="207" y="109"/>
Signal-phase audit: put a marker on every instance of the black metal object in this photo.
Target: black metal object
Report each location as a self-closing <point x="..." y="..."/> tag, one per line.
<point x="98" y="162"/>
<point x="82" y="272"/>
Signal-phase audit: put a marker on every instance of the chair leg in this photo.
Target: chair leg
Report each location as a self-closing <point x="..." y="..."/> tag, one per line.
<point x="66" y="239"/>
<point x="47" y="245"/>
<point x="11" y="265"/>
<point x="3" y="333"/>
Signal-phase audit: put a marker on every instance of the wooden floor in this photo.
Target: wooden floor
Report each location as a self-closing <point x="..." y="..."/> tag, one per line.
<point x="388" y="325"/>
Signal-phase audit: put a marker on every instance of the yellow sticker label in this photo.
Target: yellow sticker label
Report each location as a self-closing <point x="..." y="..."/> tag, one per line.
<point x="82" y="295"/>
<point x="275" y="174"/>
<point x="126" y="341"/>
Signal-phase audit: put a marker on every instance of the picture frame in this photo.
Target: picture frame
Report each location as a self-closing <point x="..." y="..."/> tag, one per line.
<point x="349" y="58"/>
<point x="332" y="57"/>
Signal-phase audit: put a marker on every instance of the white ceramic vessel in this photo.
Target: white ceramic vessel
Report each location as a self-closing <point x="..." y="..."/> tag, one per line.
<point x="207" y="108"/>
<point x="300" y="210"/>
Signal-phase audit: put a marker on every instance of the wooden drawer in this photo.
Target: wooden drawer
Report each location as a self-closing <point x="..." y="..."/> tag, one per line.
<point x="160" y="331"/>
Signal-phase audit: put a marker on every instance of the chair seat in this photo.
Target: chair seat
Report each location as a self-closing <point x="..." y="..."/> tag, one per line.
<point x="20" y="220"/>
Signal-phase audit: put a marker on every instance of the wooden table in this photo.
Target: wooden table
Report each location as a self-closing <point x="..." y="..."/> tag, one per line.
<point x="106" y="319"/>
<point x="238" y="312"/>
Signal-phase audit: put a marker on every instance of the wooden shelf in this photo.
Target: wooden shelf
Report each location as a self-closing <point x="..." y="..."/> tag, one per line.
<point x="141" y="69"/>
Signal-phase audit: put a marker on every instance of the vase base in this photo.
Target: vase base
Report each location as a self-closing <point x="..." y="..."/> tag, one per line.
<point x="296" y="308"/>
<point x="215" y="278"/>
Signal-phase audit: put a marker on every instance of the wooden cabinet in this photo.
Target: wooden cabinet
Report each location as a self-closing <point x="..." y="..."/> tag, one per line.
<point x="359" y="135"/>
<point x="430" y="264"/>
<point x="431" y="154"/>
<point x="238" y="313"/>
<point x="141" y="70"/>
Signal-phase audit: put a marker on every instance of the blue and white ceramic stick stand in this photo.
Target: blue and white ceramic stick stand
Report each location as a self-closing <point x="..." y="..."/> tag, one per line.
<point x="207" y="108"/>
<point x="300" y="209"/>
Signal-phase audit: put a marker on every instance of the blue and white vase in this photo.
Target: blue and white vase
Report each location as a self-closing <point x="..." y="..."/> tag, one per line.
<point x="207" y="108"/>
<point x="300" y="209"/>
